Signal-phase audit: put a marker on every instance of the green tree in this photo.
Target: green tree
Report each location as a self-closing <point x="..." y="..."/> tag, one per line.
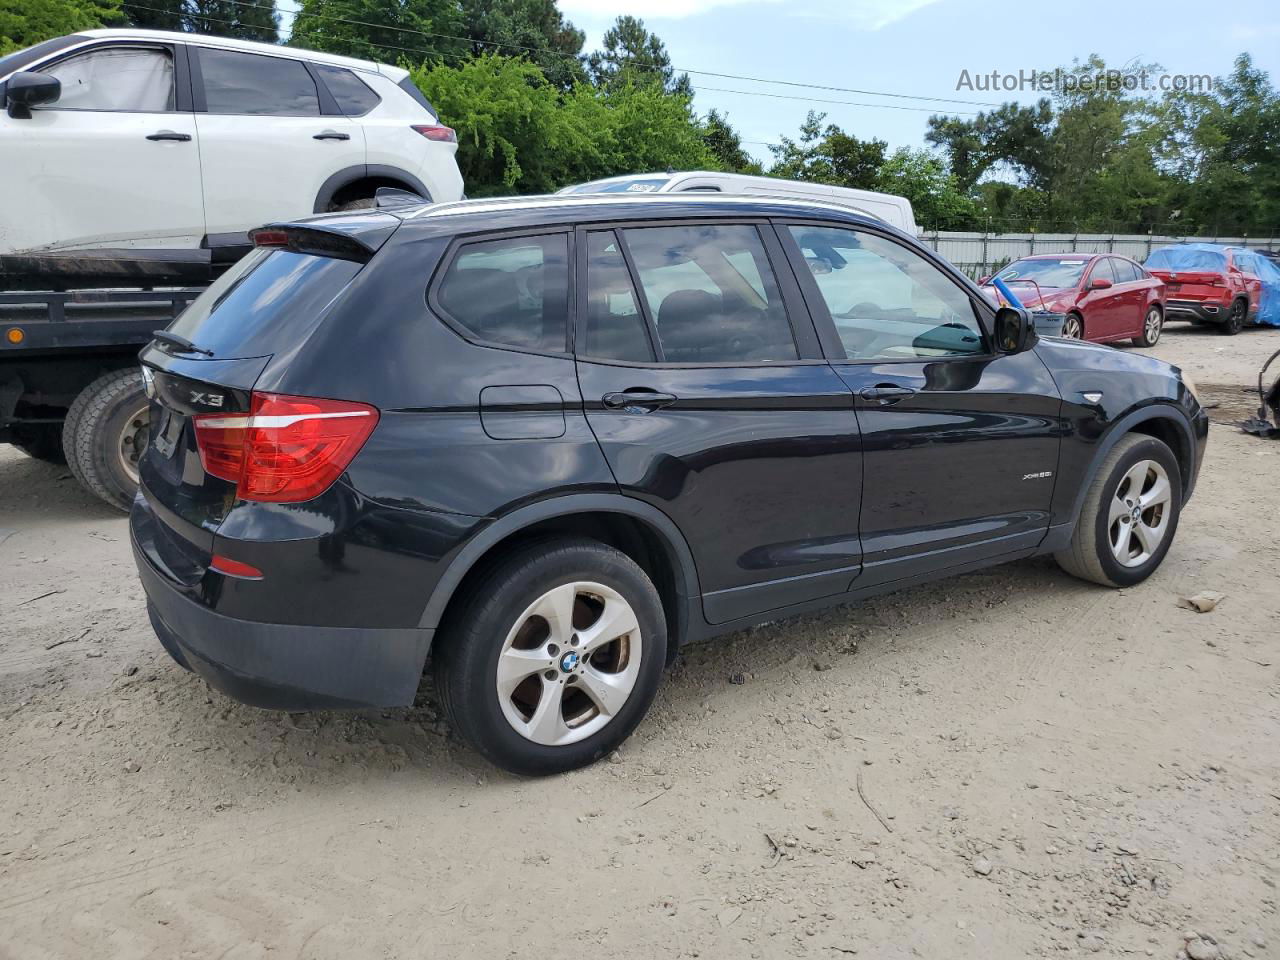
<point x="255" y="20"/>
<point x="923" y="178"/>
<point x="386" y="30"/>
<point x="156" y="14"/>
<point x="519" y="133"/>
<point x="828" y="155"/>
<point x="632" y="54"/>
<point x="724" y="143"/>
<point x="24" y="23"/>
<point x="535" y="29"/>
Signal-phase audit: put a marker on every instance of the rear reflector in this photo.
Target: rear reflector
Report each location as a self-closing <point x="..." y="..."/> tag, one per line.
<point x="285" y="449"/>
<point x="437" y="133"/>
<point x="234" y="568"/>
<point x="269" y="238"/>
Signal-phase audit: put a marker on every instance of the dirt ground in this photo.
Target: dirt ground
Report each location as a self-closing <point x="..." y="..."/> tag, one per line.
<point x="1060" y="769"/>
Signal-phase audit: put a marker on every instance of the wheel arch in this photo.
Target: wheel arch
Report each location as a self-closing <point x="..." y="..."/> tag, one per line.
<point x="1164" y="422"/>
<point x="376" y="174"/>
<point x="642" y="532"/>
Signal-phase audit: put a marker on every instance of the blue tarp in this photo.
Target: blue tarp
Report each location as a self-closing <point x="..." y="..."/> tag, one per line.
<point x="1213" y="256"/>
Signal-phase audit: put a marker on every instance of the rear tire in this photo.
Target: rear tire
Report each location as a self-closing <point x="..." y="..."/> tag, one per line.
<point x="1112" y="545"/>
<point x="105" y="435"/>
<point x="364" y="203"/>
<point x="1234" y="321"/>
<point x="40" y="441"/>
<point x="521" y="687"/>
<point x="1152" y="326"/>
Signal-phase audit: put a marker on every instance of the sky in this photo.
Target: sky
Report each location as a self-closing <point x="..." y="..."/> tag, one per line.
<point x="920" y="48"/>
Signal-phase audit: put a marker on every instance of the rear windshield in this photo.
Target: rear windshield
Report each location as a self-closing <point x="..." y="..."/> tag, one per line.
<point x="630" y="185"/>
<point x="1047" y="273"/>
<point x="1182" y="258"/>
<point x="270" y="300"/>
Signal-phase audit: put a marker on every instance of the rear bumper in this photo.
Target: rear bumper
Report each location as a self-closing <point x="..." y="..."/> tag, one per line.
<point x="1207" y="310"/>
<point x="281" y="666"/>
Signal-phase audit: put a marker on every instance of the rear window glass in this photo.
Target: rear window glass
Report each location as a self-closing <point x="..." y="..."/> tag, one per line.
<point x="354" y="98"/>
<point x="268" y="301"/>
<point x="513" y="291"/>
<point x="1184" y="258"/>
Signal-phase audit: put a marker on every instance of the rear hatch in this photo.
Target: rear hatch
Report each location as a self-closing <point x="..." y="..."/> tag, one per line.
<point x="201" y="371"/>
<point x="1191" y="284"/>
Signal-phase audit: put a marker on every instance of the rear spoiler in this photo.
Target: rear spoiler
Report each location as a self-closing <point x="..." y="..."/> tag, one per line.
<point x="352" y="236"/>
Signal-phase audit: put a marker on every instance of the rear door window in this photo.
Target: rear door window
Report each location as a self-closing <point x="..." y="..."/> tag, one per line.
<point x="270" y="300"/>
<point x="246" y="83"/>
<point x="712" y="294"/>
<point x="512" y="292"/>
<point x="353" y="96"/>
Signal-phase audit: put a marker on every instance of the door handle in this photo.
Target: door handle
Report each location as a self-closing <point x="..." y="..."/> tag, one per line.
<point x="331" y="135"/>
<point x="886" y="393"/>
<point x="169" y="135"/>
<point x="644" y="398"/>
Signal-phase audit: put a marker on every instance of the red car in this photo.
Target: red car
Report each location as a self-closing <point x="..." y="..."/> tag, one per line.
<point x="1105" y="297"/>
<point x="1209" y="283"/>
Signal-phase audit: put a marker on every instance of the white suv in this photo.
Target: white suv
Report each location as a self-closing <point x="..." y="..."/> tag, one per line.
<point x="138" y="138"/>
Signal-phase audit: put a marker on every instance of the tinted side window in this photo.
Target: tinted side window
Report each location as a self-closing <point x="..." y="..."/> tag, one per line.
<point x="1102" y="271"/>
<point x="245" y="83"/>
<point x="513" y="291"/>
<point x="712" y="294"/>
<point x="887" y="301"/>
<point x="124" y="79"/>
<point x="615" y="327"/>
<point x="354" y="98"/>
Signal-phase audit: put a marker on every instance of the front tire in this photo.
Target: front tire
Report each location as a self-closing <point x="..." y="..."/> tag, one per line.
<point x="553" y="658"/>
<point x="1152" y="326"/>
<point x="105" y="435"/>
<point x="1129" y="517"/>
<point x="1073" y="327"/>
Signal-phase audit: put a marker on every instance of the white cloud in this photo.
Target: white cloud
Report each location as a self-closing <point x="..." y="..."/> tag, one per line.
<point x="861" y="14"/>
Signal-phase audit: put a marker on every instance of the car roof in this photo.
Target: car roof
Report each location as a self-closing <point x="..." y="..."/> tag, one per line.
<point x="249" y="46"/>
<point x="1069" y="255"/>
<point x="600" y="207"/>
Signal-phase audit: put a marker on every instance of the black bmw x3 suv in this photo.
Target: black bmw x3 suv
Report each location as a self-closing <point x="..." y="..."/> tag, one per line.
<point x="549" y="441"/>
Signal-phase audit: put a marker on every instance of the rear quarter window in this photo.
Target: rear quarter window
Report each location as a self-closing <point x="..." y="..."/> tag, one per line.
<point x="269" y="301"/>
<point x="511" y="292"/>
<point x="352" y="94"/>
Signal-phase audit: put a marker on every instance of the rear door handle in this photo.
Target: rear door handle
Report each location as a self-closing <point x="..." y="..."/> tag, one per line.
<point x="169" y="135"/>
<point x="644" y="398"/>
<point x="886" y="393"/>
<point x="331" y="135"/>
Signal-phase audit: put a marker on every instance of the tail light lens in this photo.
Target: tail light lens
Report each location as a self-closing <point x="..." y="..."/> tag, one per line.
<point x="437" y="133"/>
<point x="285" y="449"/>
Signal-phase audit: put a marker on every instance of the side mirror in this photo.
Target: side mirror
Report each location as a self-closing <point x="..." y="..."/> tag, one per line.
<point x="1102" y="283"/>
<point x="25" y="90"/>
<point x="1014" y="330"/>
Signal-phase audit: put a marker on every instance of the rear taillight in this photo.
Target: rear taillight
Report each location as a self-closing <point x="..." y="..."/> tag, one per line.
<point x="267" y="237"/>
<point x="285" y="449"/>
<point x="437" y="133"/>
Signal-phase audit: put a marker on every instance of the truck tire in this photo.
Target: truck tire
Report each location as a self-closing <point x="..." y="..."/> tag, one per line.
<point x="105" y="434"/>
<point x="40" y="441"/>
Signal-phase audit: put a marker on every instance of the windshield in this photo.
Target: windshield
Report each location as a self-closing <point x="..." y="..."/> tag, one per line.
<point x="629" y="185"/>
<point x="1049" y="272"/>
<point x="21" y="59"/>
<point x="270" y="300"/>
<point x="1182" y="258"/>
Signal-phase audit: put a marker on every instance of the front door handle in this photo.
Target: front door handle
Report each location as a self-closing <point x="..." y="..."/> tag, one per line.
<point x="331" y="135"/>
<point x="643" y="398"/>
<point x="169" y="135"/>
<point x="886" y="393"/>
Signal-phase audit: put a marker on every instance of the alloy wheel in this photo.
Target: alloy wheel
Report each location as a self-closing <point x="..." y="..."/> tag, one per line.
<point x="1139" y="513"/>
<point x="1072" y="329"/>
<point x="569" y="663"/>
<point x="1151" y="326"/>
